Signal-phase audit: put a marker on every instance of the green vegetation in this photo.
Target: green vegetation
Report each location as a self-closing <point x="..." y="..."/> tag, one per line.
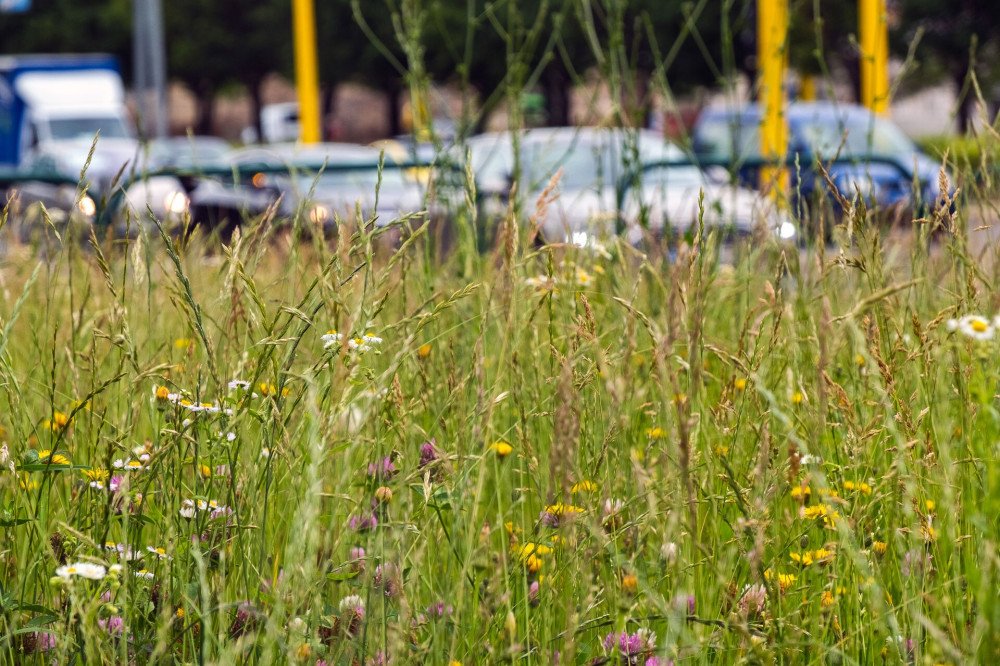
<point x="499" y="457"/>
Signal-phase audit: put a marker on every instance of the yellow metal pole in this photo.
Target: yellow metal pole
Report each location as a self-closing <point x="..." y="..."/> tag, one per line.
<point x="306" y="70"/>
<point x="772" y="57"/>
<point x="873" y="33"/>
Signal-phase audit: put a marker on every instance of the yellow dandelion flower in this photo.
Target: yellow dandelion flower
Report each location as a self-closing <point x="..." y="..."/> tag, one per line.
<point x="815" y="511"/>
<point x="561" y="509"/>
<point x="180" y="613"/>
<point x="59" y="421"/>
<point x="502" y="449"/>
<point x="95" y="474"/>
<point x="205" y="470"/>
<point x="630" y="584"/>
<point x="740" y="383"/>
<point x="880" y="547"/>
<point x="929" y="504"/>
<point x="46" y="456"/>
<point x="785" y="581"/>
<point x="798" y="398"/>
<point x="424" y="351"/>
<point x="860" y="360"/>
<point x="859" y="486"/>
<point x="655" y="433"/>
<point x="798" y="492"/>
<point x="27" y="483"/>
<point x="721" y="451"/>
<point x="533" y="563"/>
<point x="162" y="393"/>
<point x="583" y="487"/>
<point x="827" y="599"/>
<point x="183" y="343"/>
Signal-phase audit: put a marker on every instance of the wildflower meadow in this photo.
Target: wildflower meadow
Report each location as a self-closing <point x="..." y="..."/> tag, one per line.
<point x="281" y="448"/>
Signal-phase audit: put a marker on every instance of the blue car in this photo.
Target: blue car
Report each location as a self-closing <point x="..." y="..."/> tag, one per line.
<point x="873" y="156"/>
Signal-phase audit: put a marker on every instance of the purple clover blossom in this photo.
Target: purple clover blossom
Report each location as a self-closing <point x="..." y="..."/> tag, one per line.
<point x="439" y="610"/>
<point x="44" y="641"/>
<point x="916" y="562"/>
<point x="548" y="518"/>
<point x="363" y="523"/>
<point x="633" y="649"/>
<point x="112" y="625"/>
<point x="383" y="470"/>
<point x="115" y="483"/>
<point x="428" y="453"/>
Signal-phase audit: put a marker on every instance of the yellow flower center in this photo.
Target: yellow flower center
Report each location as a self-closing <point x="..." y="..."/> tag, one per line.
<point x="979" y="326"/>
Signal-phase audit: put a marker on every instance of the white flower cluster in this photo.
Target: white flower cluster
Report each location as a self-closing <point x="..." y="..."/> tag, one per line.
<point x="241" y="385"/>
<point x="122" y="551"/>
<point x="129" y="465"/>
<point x="353" y="603"/>
<point x="360" y="344"/>
<point x="189" y="506"/>
<point x="975" y="326"/>
<point x="193" y="407"/>
<point x="86" y="570"/>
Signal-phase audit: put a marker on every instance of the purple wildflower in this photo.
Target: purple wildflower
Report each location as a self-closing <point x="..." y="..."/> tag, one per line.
<point x="44" y="641"/>
<point x="428" y="453"/>
<point x="633" y="649"/>
<point x="112" y="625"/>
<point x="363" y="523"/>
<point x="382" y="470"/>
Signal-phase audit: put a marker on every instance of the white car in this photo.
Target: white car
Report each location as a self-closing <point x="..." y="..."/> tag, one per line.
<point x="613" y="181"/>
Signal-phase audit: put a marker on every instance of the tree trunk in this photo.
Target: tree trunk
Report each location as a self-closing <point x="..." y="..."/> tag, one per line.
<point x="965" y="100"/>
<point x="393" y="91"/>
<point x="206" y="109"/>
<point x="253" y="88"/>
<point x="557" y="101"/>
<point x="328" y="95"/>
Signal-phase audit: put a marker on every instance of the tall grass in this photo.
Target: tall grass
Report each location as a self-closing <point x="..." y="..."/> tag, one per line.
<point x="551" y="456"/>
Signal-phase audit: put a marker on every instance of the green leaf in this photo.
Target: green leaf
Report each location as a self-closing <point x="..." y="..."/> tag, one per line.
<point x="338" y="577"/>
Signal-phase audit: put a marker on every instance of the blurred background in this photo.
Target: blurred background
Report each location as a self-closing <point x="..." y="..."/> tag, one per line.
<point x="227" y="67"/>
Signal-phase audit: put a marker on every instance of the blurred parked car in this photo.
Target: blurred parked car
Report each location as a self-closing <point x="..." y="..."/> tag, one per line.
<point x="874" y="156"/>
<point x="613" y="181"/>
<point x="323" y="181"/>
<point x="33" y="200"/>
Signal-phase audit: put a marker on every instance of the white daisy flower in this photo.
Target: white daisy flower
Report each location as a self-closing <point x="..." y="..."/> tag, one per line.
<point x="187" y="509"/>
<point x="159" y="552"/>
<point x="83" y="570"/>
<point x="144" y="574"/>
<point x="331" y="339"/>
<point x="239" y="384"/>
<point x="976" y="327"/>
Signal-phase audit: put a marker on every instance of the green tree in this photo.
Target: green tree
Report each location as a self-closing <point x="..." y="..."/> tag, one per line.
<point x="956" y="40"/>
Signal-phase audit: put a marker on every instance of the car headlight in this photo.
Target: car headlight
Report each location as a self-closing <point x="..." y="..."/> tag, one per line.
<point x="176" y="202"/>
<point x="319" y="214"/>
<point x="86" y="206"/>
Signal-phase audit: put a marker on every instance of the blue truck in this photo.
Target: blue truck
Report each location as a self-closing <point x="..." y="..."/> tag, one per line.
<point x="51" y="109"/>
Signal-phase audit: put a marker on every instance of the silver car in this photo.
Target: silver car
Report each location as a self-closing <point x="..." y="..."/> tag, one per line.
<point x="613" y="181"/>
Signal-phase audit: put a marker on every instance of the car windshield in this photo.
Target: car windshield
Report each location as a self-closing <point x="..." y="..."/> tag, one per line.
<point x="86" y="128"/>
<point x="860" y="135"/>
<point x="673" y="176"/>
<point x="723" y="137"/>
<point x="362" y="180"/>
<point x="593" y="162"/>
